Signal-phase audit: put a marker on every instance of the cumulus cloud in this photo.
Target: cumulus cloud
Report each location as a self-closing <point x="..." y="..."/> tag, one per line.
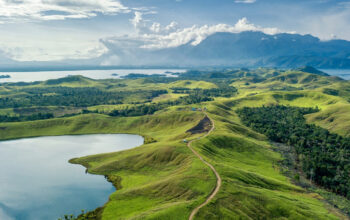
<point x="172" y="26"/>
<point x="245" y="1"/>
<point x="52" y="51"/>
<point x="28" y="10"/>
<point x="157" y="36"/>
<point x="137" y="20"/>
<point x="156" y="27"/>
<point x="144" y="26"/>
<point x="195" y="35"/>
<point x="124" y="49"/>
<point x="159" y="29"/>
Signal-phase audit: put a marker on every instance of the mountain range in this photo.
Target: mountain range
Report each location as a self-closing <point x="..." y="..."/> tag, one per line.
<point x="253" y="49"/>
<point x="248" y="49"/>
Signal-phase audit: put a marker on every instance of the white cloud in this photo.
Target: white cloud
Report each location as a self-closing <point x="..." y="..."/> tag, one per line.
<point x="129" y="48"/>
<point x="195" y="35"/>
<point x="144" y="26"/>
<point x="172" y="26"/>
<point x="159" y="29"/>
<point x="157" y="37"/>
<point x="28" y="10"/>
<point x="156" y="27"/>
<point x="149" y="36"/>
<point x="327" y="25"/>
<point x="245" y="1"/>
<point x="140" y="24"/>
<point x="53" y="51"/>
<point x="137" y="20"/>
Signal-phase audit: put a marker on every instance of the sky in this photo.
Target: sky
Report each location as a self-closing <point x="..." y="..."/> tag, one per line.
<point x="53" y="30"/>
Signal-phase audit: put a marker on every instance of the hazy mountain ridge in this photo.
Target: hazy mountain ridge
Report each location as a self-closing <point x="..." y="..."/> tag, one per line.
<point x="259" y="49"/>
<point x="248" y="49"/>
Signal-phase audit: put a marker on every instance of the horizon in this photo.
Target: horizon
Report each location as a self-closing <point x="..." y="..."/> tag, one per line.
<point x="174" y="109"/>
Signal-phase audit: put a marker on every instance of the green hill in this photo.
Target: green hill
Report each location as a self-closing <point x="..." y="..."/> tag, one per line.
<point x="310" y="69"/>
<point x="164" y="179"/>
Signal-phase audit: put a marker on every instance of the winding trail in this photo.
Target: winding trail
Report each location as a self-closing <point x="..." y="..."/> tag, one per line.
<point x="218" y="178"/>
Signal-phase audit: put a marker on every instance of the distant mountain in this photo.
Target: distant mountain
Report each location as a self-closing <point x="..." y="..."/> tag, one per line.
<point x="245" y="49"/>
<point x="258" y="49"/>
<point x="310" y="69"/>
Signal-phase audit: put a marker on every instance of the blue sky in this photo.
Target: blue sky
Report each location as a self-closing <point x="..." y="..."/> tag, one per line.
<point x="41" y="30"/>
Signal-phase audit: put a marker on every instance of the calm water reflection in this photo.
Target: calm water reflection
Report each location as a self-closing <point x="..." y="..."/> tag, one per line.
<point x="37" y="182"/>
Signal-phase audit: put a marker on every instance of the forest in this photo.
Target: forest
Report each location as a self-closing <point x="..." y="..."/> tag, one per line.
<point x="324" y="156"/>
<point x="33" y="117"/>
<point x="195" y="96"/>
<point x="77" y="97"/>
<point x="222" y="91"/>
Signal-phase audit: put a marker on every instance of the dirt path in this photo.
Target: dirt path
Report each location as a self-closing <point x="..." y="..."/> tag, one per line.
<point x="218" y="178"/>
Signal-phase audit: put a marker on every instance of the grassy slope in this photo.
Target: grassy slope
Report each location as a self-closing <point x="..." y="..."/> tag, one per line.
<point x="253" y="187"/>
<point x="191" y="84"/>
<point x="333" y="114"/>
<point x="308" y="92"/>
<point x="159" y="180"/>
<point x="335" y="118"/>
<point x="111" y="85"/>
<point x="163" y="180"/>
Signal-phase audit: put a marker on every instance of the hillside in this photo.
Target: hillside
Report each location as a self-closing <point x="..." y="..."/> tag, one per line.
<point x="164" y="179"/>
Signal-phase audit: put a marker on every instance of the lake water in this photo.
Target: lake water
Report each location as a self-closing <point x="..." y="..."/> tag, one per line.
<point x="93" y="74"/>
<point x="107" y="74"/>
<point x="38" y="183"/>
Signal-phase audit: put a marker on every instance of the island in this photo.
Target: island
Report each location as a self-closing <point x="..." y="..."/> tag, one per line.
<point x="5" y="76"/>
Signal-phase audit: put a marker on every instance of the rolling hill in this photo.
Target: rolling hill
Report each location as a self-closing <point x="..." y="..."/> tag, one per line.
<point x="164" y="179"/>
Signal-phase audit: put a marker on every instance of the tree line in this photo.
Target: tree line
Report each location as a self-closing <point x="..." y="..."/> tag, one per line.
<point x="33" y="117"/>
<point x="324" y="156"/>
<point x="222" y="91"/>
<point x="77" y="97"/>
<point x="149" y="109"/>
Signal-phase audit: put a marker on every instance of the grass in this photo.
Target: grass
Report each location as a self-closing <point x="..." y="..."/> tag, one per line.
<point x="192" y="84"/>
<point x="158" y="179"/>
<point x="166" y="97"/>
<point x="253" y="187"/>
<point x="8" y="111"/>
<point x="336" y="119"/>
<point x="162" y="179"/>
<point x="108" y="108"/>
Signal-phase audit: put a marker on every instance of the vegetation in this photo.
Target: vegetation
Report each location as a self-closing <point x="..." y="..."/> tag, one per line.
<point x="324" y="156"/>
<point x="227" y="91"/>
<point x="66" y="96"/>
<point x="39" y="116"/>
<point x="335" y="118"/>
<point x="163" y="179"/>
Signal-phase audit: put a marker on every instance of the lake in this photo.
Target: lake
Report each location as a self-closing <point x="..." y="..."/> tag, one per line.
<point x="38" y="183"/>
<point x="93" y="74"/>
<point x="107" y="74"/>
